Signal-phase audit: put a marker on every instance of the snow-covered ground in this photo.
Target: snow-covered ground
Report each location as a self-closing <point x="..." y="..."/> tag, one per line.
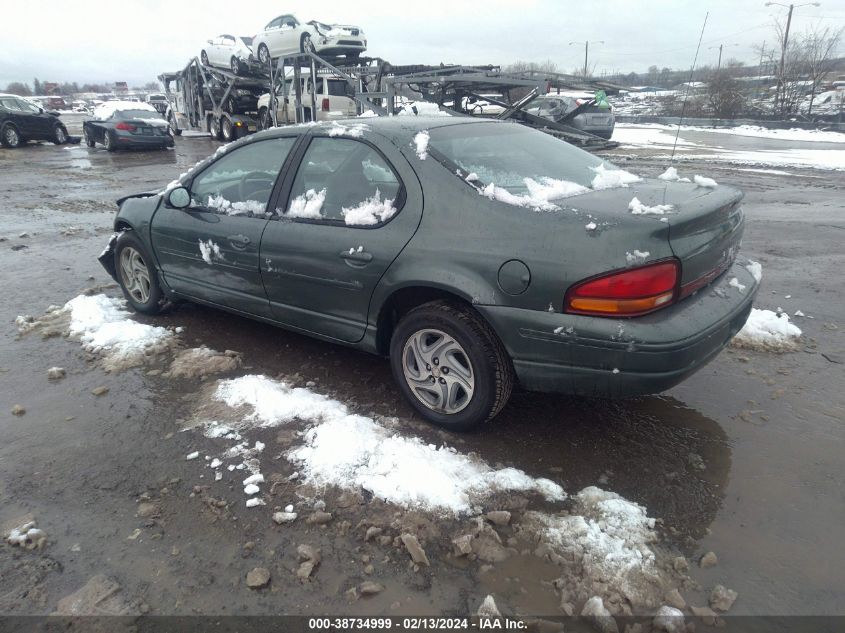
<point x="691" y="146"/>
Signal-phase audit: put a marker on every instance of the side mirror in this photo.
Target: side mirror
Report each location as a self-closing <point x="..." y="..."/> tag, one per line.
<point x="179" y="198"/>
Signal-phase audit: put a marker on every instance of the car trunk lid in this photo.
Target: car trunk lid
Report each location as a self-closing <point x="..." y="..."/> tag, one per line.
<point x="704" y="225"/>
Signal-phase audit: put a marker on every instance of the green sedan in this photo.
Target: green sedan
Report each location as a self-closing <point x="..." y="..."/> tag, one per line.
<point x="476" y="255"/>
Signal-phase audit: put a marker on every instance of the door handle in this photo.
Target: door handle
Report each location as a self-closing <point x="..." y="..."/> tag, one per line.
<point x="356" y="257"/>
<point x="238" y="241"/>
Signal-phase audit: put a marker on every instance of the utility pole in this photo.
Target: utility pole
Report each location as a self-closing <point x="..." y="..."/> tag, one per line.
<point x="587" y="54"/>
<point x="778" y="99"/>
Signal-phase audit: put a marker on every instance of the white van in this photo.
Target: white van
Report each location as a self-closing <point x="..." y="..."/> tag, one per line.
<point x="333" y="102"/>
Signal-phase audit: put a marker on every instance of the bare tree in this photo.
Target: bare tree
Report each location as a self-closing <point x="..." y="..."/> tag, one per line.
<point x="18" y="88"/>
<point x="820" y="45"/>
<point x="724" y="94"/>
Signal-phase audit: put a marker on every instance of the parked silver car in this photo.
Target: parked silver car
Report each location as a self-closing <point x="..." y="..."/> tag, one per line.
<point x="593" y="116"/>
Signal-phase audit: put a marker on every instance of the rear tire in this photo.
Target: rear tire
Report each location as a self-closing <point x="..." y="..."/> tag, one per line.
<point x="10" y="137"/>
<point x="136" y="274"/>
<point x="305" y="44"/>
<point x="465" y="357"/>
<point x="227" y="130"/>
<point x="235" y="65"/>
<point x="174" y="127"/>
<point x="59" y="134"/>
<point x="204" y="58"/>
<point x="214" y="128"/>
<point x="264" y="54"/>
<point x="108" y="142"/>
<point x="88" y="140"/>
<point x="264" y="120"/>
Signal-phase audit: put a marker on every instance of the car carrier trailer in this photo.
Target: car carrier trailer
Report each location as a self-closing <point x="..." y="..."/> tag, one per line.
<point x="199" y="95"/>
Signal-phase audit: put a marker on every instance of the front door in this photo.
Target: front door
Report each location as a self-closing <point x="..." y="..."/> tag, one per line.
<point x="34" y="123"/>
<point x="351" y="209"/>
<point x="209" y="251"/>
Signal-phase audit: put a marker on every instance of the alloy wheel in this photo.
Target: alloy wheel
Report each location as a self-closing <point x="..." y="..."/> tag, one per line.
<point x="438" y="371"/>
<point x="263" y="54"/>
<point x="12" y="138"/>
<point x="135" y="274"/>
<point x="61" y="137"/>
<point x="236" y="65"/>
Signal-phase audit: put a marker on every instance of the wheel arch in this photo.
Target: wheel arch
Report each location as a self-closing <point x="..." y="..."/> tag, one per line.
<point x="402" y="300"/>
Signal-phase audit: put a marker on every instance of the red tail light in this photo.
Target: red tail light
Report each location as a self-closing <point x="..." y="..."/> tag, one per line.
<point x="326" y="104"/>
<point x="125" y="126"/>
<point x="631" y="292"/>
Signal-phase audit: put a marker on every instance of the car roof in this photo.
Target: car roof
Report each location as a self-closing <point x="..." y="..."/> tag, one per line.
<point x="399" y="129"/>
<point x="3" y="94"/>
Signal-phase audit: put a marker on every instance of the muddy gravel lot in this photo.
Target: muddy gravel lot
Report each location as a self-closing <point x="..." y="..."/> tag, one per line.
<point x="740" y="466"/>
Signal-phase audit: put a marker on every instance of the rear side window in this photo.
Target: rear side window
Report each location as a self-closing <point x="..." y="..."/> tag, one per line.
<point x="240" y="183"/>
<point x="343" y="181"/>
<point x="337" y="88"/>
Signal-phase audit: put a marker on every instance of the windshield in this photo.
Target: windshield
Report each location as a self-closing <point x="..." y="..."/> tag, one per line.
<point x="513" y="157"/>
<point x="246" y="40"/>
<point x="137" y="114"/>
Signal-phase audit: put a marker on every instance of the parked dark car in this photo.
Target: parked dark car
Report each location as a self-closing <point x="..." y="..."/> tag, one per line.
<point x="342" y="232"/>
<point x="22" y="121"/>
<point x="129" y="125"/>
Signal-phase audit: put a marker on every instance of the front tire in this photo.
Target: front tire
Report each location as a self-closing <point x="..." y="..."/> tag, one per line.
<point x="450" y="365"/>
<point x="305" y="44"/>
<point x="235" y="65"/>
<point x="89" y="141"/>
<point x="136" y="274"/>
<point x="204" y="58"/>
<point x="214" y="128"/>
<point x="264" y="54"/>
<point x="10" y="137"/>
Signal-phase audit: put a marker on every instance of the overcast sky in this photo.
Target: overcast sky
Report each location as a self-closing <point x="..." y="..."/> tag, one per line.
<point x="135" y="40"/>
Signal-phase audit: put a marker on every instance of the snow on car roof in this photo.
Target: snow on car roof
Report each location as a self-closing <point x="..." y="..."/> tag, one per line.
<point x="105" y="110"/>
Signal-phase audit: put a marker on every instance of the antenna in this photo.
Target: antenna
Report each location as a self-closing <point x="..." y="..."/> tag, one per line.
<point x="689" y="85"/>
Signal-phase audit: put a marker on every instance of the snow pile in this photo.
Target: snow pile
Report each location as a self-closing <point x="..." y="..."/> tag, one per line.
<point x="539" y="192"/>
<point x="355" y="130"/>
<point x="701" y="181"/>
<point x="768" y="331"/>
<point x="638" y="208"/>
<point x="367" y="114"/>
<point x="610" y="178"/>
<point x="755" y="269"/>
<point x="210" y="251"/>
<point x="636" y="256"/>
<point x="734" y="283"/>
<point x="608" y="538"/>
<point x="27" y="536"/>
<point x="421" y="144"/>
<point x="104" y="327"/>
<point x="671" y="175"/>
<point x="591" y="226"/>
<point x="105" y="110"/>
<point x="245" y="207"/>
<point x="308" y="205"/>
<point x="371" y="211"/>
<point x="353" y="451"/>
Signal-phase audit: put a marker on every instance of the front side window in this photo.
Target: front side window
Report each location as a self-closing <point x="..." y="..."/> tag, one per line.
<point x="26" y="106"/>
<point x="240" y="183"/>
<point x="344" y="181"/>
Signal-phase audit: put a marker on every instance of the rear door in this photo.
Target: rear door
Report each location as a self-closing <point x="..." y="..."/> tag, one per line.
<point x="210" y="250"/>
<point x="352" y="207"/>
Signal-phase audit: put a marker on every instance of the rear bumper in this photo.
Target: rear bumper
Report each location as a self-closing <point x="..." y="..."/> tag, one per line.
<point x="623" y="357"/>
<point x="144" y="141"/>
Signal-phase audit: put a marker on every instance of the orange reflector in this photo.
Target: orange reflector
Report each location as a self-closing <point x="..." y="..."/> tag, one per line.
<point x="619" y="306"/>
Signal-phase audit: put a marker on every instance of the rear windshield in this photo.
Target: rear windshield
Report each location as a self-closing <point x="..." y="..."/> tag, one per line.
<point x="137" y="114"/>
<point x="509" y="155"/>
<point x="337" y="87"/>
